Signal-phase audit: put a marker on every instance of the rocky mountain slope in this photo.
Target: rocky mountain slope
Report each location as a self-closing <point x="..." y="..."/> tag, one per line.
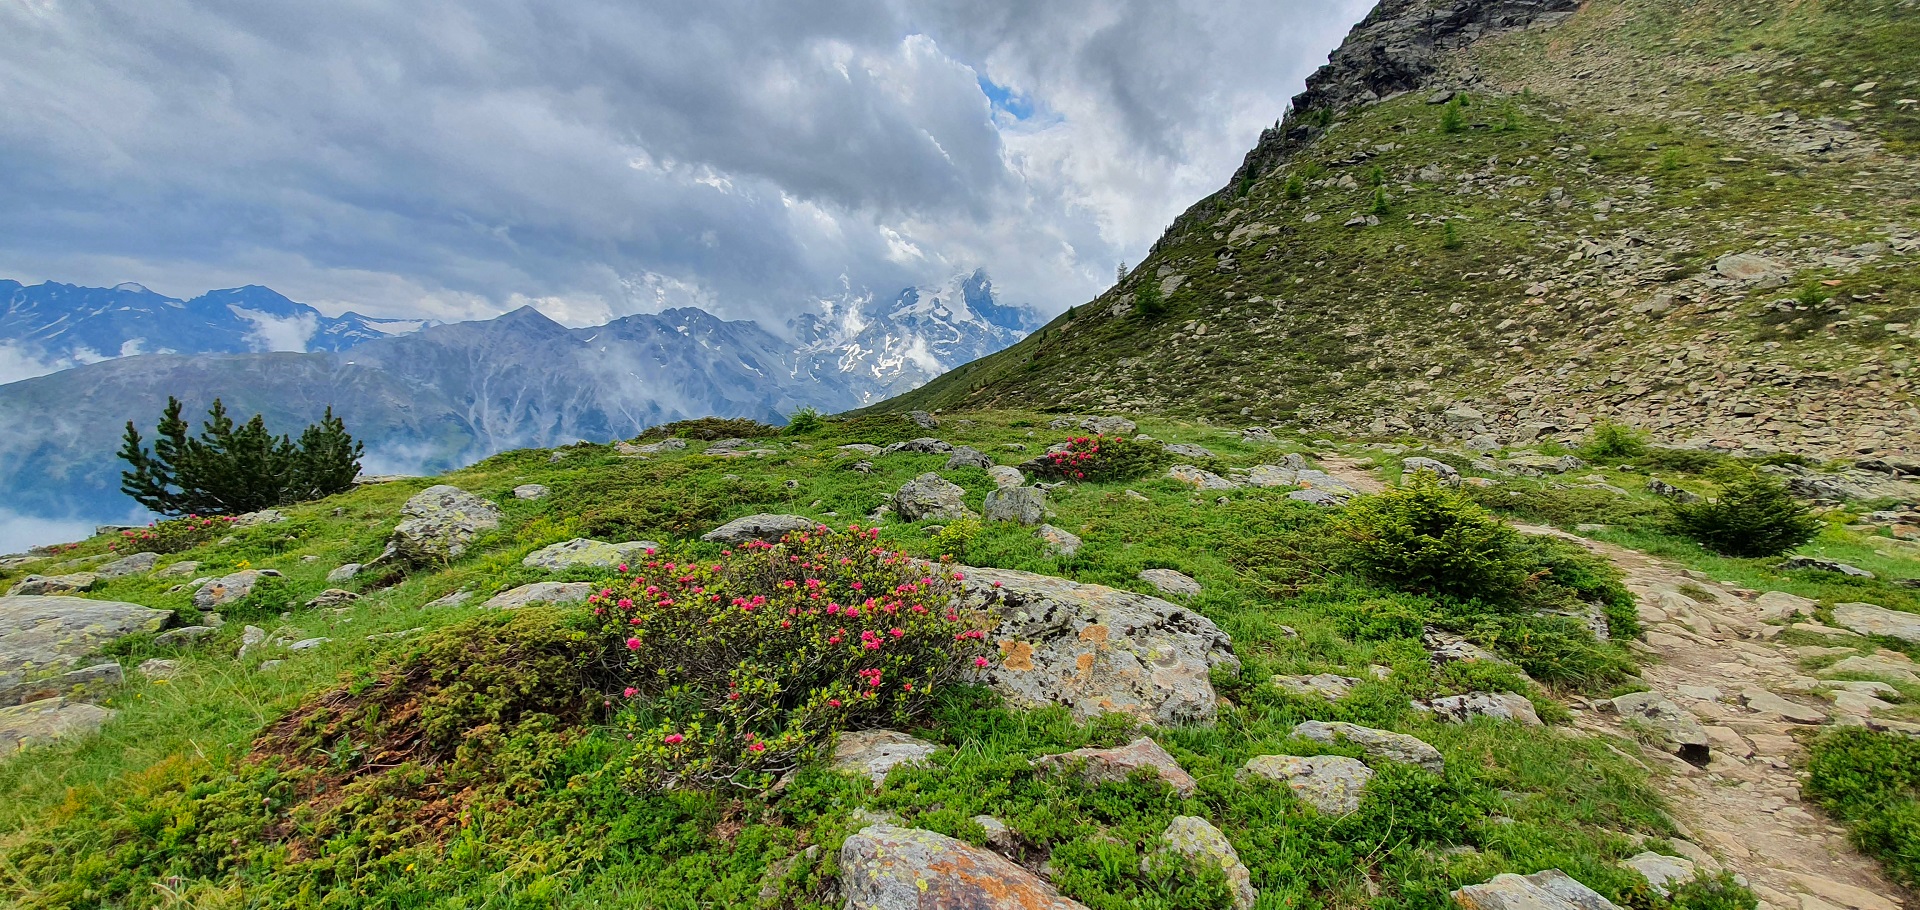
<point x="1497" y="221"/>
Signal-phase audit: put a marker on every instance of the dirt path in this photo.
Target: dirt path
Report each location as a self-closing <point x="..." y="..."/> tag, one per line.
<point x="1711" y="653"/>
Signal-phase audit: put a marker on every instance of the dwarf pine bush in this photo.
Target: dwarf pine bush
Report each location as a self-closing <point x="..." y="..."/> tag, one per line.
<point x="733" y="671"/>
<point x="1101" y="458"/>
<point x="1424" y="537"/>
<point x="1611" y="441"/>
<point x="1753" y="516"/>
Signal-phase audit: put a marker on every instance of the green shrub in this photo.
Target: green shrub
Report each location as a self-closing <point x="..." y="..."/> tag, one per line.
<point x="1871" y="781"/>
<point x="954" y="539"/>
<point x="1147" y="299"/>
<point x="1450" y="236"/>
<point x="1452" y="120"/>
<point x="1380" y="207"/>
<point x="173" y="536"/>
<point x="1424" y="537"/>
<point x="1754" y="515"/>
<point x="734" y="671"/>
<point x="805" y="421"/>
<point x="1611" y="442"/>
<point x="1679" y="461"/>
<point x="710" y="428"/>
<point x="1099" y="459"/>
<point x="1296" y="188"/>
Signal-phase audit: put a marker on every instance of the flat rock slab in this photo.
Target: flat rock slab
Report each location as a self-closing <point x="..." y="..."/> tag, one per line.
<point x="1376" y="743"/>
<point x="887" y="867"/>
<point x="81" y="684"/>
<point x="1868" y="619"/>
<point x="1329" y="686"/>
<point x="543" y="592"/>
<point x="768" y="528"/>
<point x="1059" y="541"/>
<point x="1549" y="890"/>
<point x="531" y="491"/>
<point x="1459" y="709"/>
<point x="1331" y="784"/>
<point x="43" y="634"/>
<point x="873" y="753"/>
<point x="1199" y="479"/>
<point x="1668" y="725"/>
<point x="1098" y="650"/>
<point x="1117" y="764"/>
<point x="932" y="496"/>
<point x="1661" y="871"/>
<point x="229" y="588"/>
<point x="1875" y="666"/>
<point x="48" y="720"/>
<point x="1171" y="583"/>
<point x="1201" y="844"/>
<point x="137" y="564"/>
<point x="1768" y="703"/>
<point x="49" y="585"/>
<point x="583" y="553"/>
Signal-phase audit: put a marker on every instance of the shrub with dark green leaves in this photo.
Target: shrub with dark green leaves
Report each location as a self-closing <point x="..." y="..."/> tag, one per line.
<point x="710" y="428"/>
<point x="1871" y="781"/>
<point x="805" y="421"/>
<point x="1611" y="441"/>
<point x="1754" y="515"/>
<point x="1425" y="537"/>
<point x="1147" y="299"/>
<point x="1101" y="458"/>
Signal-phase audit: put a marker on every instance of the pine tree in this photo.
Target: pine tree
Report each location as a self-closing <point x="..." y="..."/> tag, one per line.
<point x="329" y="459"/>
<point x="230" y="469"/>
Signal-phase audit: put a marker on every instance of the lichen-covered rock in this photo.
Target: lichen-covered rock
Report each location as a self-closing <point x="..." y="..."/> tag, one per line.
<point x="1269" y="475"/>
<point x="543" y="592"/>
<point x="1098" y="650"/>
<point x="226" y="589"/>
<point x="1199" y="479"/>
<point x="48" y="720"/>
<point x="1059" y="541"/>
<point x="159" y="668"/>
<point x="1006" y="476"/>
<point x="923" y="420"/>
<point x="1331" y="784"/>
<point x="81" y="684"/>
<point x="887" y="867"/>
<point x="262" y="517"/>
<point x="183" y="569"/>
<point x="1459" y="709"/>
<point x="1548" y="890"/>
<point x="332" y="598"/>
<point x="931" y="496"/>
<point x="1201" y="844"/>
<point x="1117" y="764"/>
<point x="50" y="585"/>
<point x="1666" y="724"/>
<point x="1441" y="471"/>
<point x="925" y="445"/>
<point x="1020" y="505"/>
<point x="1868" y="619"/>
<point x="1329" y="686"/>
<point x="1109" y="426"/>
<point x="438" y="525"/>
<point x="344" y="573"/>
<point x="1186" y="450"/>
<point x="969" y="457"/>
<point x="582" y="553"/>
<point x="137" y="564"/>
<point x="185" y="635"/>
<point x="531" y="491"/>
<point x="1376" y="743"/>
<point x="769" y="528"/>
<point x="873" y="753"/>
<point x="1661" y="871"/>
<point x="1171" y="583"/>
<point x="43" y="634"/>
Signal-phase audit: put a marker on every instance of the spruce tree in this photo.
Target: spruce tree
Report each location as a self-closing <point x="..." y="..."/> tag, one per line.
<point x="234" y="468"/>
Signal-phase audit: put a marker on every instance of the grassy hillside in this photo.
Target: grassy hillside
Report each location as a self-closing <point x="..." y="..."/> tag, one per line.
<point x="1546" y="247"/>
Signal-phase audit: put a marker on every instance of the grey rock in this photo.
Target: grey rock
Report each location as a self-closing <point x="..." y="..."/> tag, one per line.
<point x="1767" y="702"/>
<point x="777" y="872"/>
<point x="438" y="525"/>
<point x="671" y="444"/>
<point x="1187" y="450"/>
<point x="1102" y="766"/>
<point x="531" y="491"/>
<point x="48" y="585"/>
<point x="185" y="635"/>
<point x="886" y="867"/>
<point x="931" y="496"/>
<point x="308" y="644"/>
<point x="1459" y="709"/>
<point x="1331" y="784"/>
<point x="450" y="600"/>
<point x="1109" y="426"/>
<point x="270" y="665"/>
<point x="873" y="753"/>
<point x="1171" y="583"/>
<point x="1059" y="541"/>
<point x="925" y="445"/>
<point x="1824" y="565"/>
<point x="1321" y="481"/>
<point x="923" y="420"/>
<point x="219" y="592"/>
<point x="1199" y="479"/>
<point x="1661" y="488"/>
<point x="1006" y="476"/>
<point x="769" y="528"/>
<point x="42" y="634"/>
<point x="999" y="836"/>
<point x="1329" y="686"/>
<point x="82" y="684"/>
<point x="1749" y="267"/>
<point x="1660" y="871"/>
<point x="1868" y="619"/>
<point x="252" y="638"/>
<point x="582" y="553"/>
<point x="1544" y="464"/>
<point x="332" y="598"/>
<point x="1268" y="475"/>
<point x="1258" y="436"/>
<point x="1320" y="498"/>
<point x="1548" y="890"/>
<point x="1875" y="666"/>
<point x="1442" y="471"/>
<point x="1777" y="605"/>
<point x="159" y="668"/>
<point x="1376" y="743"/>
<point x="137" y="564"/>
<point x="48" y="720"/>
<point x="262" y="517"/>
<point x="969" y="457"/>
<point x="1202" y="845"/>
<point x="1666" y="724"/>
<point x="1020" y="505"/>
<point x="344" y="573"/>
<point x="543" y="592"/>
<point x="861" y="448"/>
<point x="1098" y="650"/>
<point x="184" y="569"/>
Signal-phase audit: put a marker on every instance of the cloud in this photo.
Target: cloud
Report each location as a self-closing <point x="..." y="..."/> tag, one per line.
<point x="20" y="532"/>
<point x="602" y="157"/>
<point x="17" y="364"/>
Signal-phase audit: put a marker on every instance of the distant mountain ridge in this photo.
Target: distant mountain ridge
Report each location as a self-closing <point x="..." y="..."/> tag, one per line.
<point x="438" y="396"/>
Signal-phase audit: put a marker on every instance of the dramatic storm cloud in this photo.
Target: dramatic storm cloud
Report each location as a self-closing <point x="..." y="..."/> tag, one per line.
<point x="604" y="157"/>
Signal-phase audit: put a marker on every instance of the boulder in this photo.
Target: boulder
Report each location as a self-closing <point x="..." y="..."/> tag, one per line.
<point x="531" y="491"/>
<point x="262" y="517"/>
<point x="887" y="867"/>
<point x="438" y="525"/>
<point x="1458" y="709"/>
<point x="925" y="445"/>
<point x="1270" y="475"/>
<point x="40" y="634"/>
<point x="185" y="635"/>
<point x="1109" y="426"/>
<point x="1020" y="505"/>
<point x="84" y="683"/>
<point x="1765" y="702"/>
<point x="332" y="598"/>
<point x="931" y="496"/>
<point x="49" y="585"/>
<point x="1331" y="784"/>
<point x="1868" y="619"/>
<point x="48" y="720"/>
<point x="1442" y="471"/>
<point x="861" y="448"/>
<point x="582" y="553"/>
<point x="1874" y="666"/>
<point x="344" y="573"/>
<point x="1006" y="476"/>
<point x="1824" y="565"/>
<point x="1329" y="686"/>
<point x="674" y="444"/>
<point x="1059" y="542"/>
<point x="137" y="564"/>
<point x="1319" y="498"/>
<point x="1749" y="267"/>
<point x="769" y="528"/>
<point x="1376" y="743"/>
<point x="184" y="569"/>
<point x="1666" y="724"/>
<point x="1548" y="890"/>
<point x="1661" y="871"/>
<point x="1322" y="482"/>
<point x="969" y="457"/>
<point x="1105" y="766"/>
<point x="1661" y="488"/>
<point x="1098" y="650"/>
<point x="1170" y="583"/>
<point x="1197" y="841"/>
<point x="1258" y="436"/>
<point x="923" y="420"/>
<point x="252" y="638"/>
<point x="543" y="592"/>
<point x="1778" y="605"/>
<point x="227" y="589"/>
<point x="1199" y="479"/>
<point x="873" y="753"/>
<point x="1186" y="450"/>
<point x="1534" y="465"/>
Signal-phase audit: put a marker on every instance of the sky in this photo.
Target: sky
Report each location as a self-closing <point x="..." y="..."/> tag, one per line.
<point x="597" y="158"/>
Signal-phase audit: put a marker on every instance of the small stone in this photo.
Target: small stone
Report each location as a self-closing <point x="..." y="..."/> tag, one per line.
<point x="999" y="836"/>
<point x="768" y="528"/>
<point x="1115" y="765"/>
<point x="1201" y="844"/>
<point x="308" y="644"/>
<point x="343" y="574"/>
<point x="1331" y="784"/>
<point x="1170" y="583"/>
<point x="1059" y="542"/>
<point x="1376" y="743"/>
<point x="873" y="753"/>
<point x="185" y="635"/>
<point x="252" y="638"/>
<point x="923" y="420"/>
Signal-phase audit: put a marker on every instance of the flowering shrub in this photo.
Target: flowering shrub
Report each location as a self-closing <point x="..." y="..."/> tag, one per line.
<point x="1100" y="458"/>
<point x="172" y="536"/>
<point x="734" y="670"/>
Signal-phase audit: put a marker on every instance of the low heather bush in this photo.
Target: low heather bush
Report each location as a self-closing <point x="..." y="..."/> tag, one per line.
<point x="1101" y="458"/>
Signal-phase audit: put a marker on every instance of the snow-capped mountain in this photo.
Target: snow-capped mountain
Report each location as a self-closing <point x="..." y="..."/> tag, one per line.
<point x="53" y="326"/>
<point x="883" y="349"/>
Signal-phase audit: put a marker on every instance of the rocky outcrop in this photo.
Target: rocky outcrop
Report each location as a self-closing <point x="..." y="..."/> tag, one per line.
<point x="44" y="634"/>
<point x="886" y="867"/>
<point x="1459" y="709"/>
<point x="1105" y="766"/>
<point x="582" y="553"/>
<point x="1549" y="890"/>
<point x="1020" y="505"/>
<point x="1098" y="650"/>
<point x="48" y="720"/>
<point x="1376" y="743"/>
<point x="768" y="528"/>
<point x="438" y="525"/>
<point x="230" y="588"/>
<point x="1665" y="724"/>
<point x="1331" y="784"/>
<point x="87" y="682"/>
<point x="873" y="753"/>
<point x="543" y="592"/>
<point x="931" y="496"/>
